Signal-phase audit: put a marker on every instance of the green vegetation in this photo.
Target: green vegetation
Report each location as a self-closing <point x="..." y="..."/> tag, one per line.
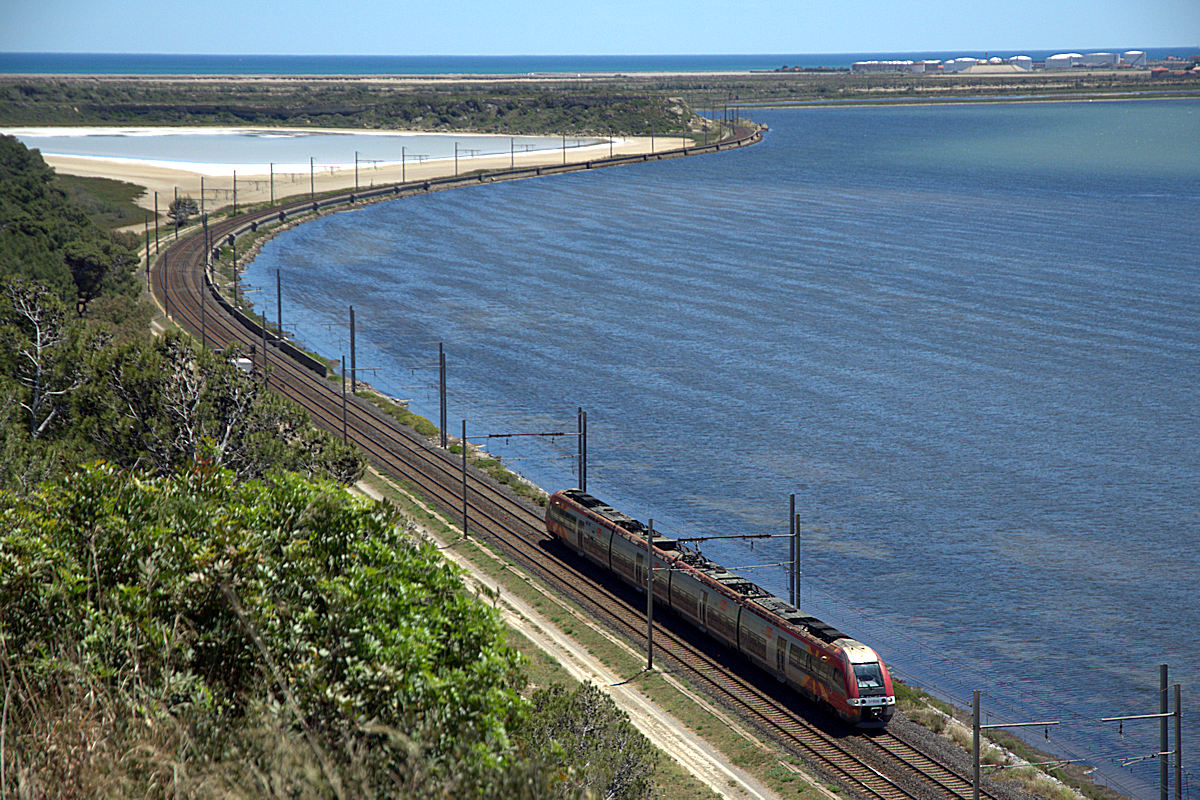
<point x="495" y="107"/>
<point x="108" y="203"/>
<point x="998" y="748"/>
<point x="207" y="604"/>
<point x="399" y="413"/>
<point x="491" y="465"/>
<point x="45" y="238"/>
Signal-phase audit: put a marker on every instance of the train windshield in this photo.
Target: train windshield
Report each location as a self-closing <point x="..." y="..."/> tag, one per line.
<point x="868" y="675"/>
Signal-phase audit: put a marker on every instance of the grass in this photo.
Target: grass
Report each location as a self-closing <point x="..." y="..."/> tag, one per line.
<point x="109" y="203"/>
<point x="400" y="413"/>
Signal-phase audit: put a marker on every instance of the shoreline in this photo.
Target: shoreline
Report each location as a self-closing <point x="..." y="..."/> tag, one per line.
<point x="254" y="184"/>
<point x="883" y="102"/>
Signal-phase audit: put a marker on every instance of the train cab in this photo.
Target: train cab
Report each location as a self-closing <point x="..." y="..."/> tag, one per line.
<point x="869" y="685"/>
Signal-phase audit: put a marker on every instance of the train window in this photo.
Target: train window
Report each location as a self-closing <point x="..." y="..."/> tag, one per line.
<point x="868" y="675"/>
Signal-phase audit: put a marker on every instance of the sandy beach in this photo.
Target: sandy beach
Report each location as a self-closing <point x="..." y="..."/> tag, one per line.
<point x="256" y="187"/>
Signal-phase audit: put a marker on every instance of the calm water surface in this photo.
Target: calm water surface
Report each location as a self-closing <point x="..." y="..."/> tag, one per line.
<point x="967" y="338"/>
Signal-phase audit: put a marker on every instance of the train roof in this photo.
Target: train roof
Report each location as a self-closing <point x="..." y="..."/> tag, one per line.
<point x="597" y="506"/>
<point x="731" y="581"/>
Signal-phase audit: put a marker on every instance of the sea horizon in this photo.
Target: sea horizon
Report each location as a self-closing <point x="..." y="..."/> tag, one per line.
<point x="57" y="63"/>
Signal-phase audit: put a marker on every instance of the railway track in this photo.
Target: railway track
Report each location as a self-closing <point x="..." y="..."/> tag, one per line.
<point x="890" y="768"/>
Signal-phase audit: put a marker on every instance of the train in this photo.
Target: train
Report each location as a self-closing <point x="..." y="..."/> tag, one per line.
<point x="816" y="660"/>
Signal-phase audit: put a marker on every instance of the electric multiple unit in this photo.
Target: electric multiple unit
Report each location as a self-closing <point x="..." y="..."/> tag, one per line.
<point x="813" y="658"/>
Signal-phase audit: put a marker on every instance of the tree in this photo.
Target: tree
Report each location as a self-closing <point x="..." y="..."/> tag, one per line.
<point x="585" y="736"/>
<point x="181" y="210"/>
<point x="160" y="405"/>
<point x="41" y="351"/>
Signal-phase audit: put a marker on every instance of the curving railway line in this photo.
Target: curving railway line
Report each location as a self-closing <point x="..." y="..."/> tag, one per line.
<point x="876" y="765"/>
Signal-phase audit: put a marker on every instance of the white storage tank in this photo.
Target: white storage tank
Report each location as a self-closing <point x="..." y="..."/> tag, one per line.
<point x="1133" y="58"/>
<point x="1024" y="62"/>
<point x="1100" y="60"/>
<point x="1062" y="60"/>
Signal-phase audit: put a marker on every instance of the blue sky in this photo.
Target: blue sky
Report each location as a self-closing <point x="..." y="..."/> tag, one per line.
<point x="491" y="27"/>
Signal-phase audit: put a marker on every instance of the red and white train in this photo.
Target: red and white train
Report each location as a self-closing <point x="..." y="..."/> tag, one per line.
<point x="813" y="658"/>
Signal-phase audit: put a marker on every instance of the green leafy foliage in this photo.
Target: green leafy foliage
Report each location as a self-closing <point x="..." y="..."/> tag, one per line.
<point x="45" y="238"/>
<point x="195" y="599"/>
<point x="591" y="743"/>
<point x="163" y="404"/>
<point x="74" y="393"/>
<point x="558" y="107"/>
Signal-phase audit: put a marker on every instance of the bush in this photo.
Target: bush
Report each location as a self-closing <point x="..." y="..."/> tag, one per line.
<point x="213" y="609"/>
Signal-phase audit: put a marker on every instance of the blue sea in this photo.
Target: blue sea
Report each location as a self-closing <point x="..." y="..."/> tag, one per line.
<point x="967" y="338"/>
<point x="163" y="64"/>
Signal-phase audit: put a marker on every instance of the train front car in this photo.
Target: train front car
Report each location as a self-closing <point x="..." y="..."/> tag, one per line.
<point x="819" y="661"/>
<point x="869" y="690"/>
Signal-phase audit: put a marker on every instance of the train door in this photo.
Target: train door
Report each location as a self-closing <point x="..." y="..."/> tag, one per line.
<point x="639" y="571"/>
<point x="703" y="610"/>
<point x="781" y="655"/>
<point x="579" y="526"/>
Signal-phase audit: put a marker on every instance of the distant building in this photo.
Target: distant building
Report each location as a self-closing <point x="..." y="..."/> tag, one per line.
<point x="958" y="64"/>
<point x="1133" y="58"/>
<point x="1063" y="60"/>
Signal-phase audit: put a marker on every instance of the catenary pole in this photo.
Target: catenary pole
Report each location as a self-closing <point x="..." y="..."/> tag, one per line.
<point x="1163" y="727"/>
<point x="650" y="597"/>
<point x="235" y="192"/>
<point x="233" y="247"/>
<point x="343" y="398"/>
<point x="792" y="549"/>
<point x="799" y="568"/>
<point x="271" y="167"/>
<point x="581" y="427"/>
<point x="1178" y="743"/>
<point x="266" y="381"/>
<point x="975" y="744"/>
<point x="156" y="223"/>
<point x="353" y="356"/>
<point x="464" y="477"/>
<point x="312" y="186"/>
<point x="442" y="390"/>
<point x="278" y="303"/>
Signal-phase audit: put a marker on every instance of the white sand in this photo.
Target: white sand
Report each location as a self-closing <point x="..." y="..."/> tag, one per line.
<point x="254" y="183"/>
